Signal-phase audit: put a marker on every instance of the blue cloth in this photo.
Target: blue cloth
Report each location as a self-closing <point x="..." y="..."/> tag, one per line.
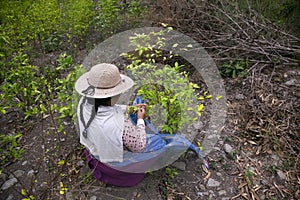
<point x="160" y="149"/>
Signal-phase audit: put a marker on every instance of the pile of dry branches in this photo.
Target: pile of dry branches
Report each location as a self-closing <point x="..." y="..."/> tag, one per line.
<point x="229" y="33"/>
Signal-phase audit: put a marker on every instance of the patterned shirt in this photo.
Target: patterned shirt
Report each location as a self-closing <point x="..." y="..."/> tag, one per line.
<point x="134" y="137"/>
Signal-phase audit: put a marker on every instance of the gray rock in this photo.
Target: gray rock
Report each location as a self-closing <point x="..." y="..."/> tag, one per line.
<point x="80" y="163"/>
<point x="7" y="184"/>
<point x="202" y="194"/>
<point x="222" y="193"/>
<point x="216" y="148"/>
<point x="93" y="198"/>
<point x="211" y="192"/>
<point x="19" y="173"/>
<point x="212" y="183"/>
<point x="10" y="197"/>
<point x="239" y="97"/>
<point x="291" y="82"/>
<point x="263" y="197"/>
<point x="179" y="165"/>
<point x="3" y="176"/>
<point x="228" y="148"/>
<point x="24" y="163"/>
<point x="202" y="187"/>
<point x="281" y="176"/>
<point x="221" y="142"/>
<point x="30" y="172"/>
<point x="219" y="174"/>
<point x="225" y="198"/>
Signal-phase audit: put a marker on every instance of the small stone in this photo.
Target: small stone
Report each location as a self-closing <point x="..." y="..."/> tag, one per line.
<point x="135" y="194"/>
<point x="221" y="142"/>
<point x="281" y="176"/>
<point x="216" y="148"/>
<point x="291" y="82"/>
<point x="222" y="192"/>
<point x="7" y="184"/>
<point x="3" y="176"/>
<point x="212" y="183"/>
<point x="179" y="165"/>
<point x="225" y="198"/>
<point x="10" y="197"/>
<point x="19" y="173"/>
<point x="211" y="192"/>
<point x="228" y="148"/>
<point x="93" y="198"/>
<point x="202" y="194"/>
<point x="219" y="174"/>
<point x="202" y="187"/>
<point x="24" y="163"/>
<point x="80" y="163"/>
<point x="239" y="97"/>
<point x="263" y="197"/>
<point x="30" y="172"/>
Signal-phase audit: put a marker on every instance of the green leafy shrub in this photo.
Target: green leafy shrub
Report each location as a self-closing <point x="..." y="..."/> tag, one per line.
<point x="235" y="69"/>
<point x="111" y="15"/>
<point x="20" y="88"/>
<point x="28" y="20"/>
<point x="9" y="149"/>
<point x="49" y="25"/>
<point x="167" y="89"/>
<point x="37" y="92"/>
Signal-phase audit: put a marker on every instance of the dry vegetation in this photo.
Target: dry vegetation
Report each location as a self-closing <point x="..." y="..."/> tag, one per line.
<point x="267" y="116"/>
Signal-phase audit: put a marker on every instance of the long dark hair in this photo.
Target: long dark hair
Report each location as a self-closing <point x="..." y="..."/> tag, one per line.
<point x="95" y="103"/>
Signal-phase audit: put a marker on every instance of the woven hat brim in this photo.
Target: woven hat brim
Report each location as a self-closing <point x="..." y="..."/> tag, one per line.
<point x="82" y="84"/>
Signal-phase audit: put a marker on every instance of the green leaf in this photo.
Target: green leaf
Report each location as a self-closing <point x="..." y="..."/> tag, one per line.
<point x="3" y="111"/>
<point x="218" y="97"/>
<point x="61" y="162"/>
<point x="23" y="192"/>
<point x="201" y="98"/>
<point x="196" y="86"/>
<point x="200" y="107"/>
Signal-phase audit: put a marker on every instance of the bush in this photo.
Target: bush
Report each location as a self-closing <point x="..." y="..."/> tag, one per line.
<point x="168" y="91"/>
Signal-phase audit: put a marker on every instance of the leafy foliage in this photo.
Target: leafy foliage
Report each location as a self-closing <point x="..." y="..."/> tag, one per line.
<point x="32" y="92"/>
<point x="9" y="147"/>
<point x="235" y="69"/>
<point x="167" y="89"/>
<point x="112" y="13"/>
<point x="50" y="23"/>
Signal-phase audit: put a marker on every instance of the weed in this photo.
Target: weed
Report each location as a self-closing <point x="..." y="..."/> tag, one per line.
<point x="11" y="151"/>
<point x="271" y="168"/>
<point x="166" y="185"/>
<point x="226" y="166"/>
<point x="87" y="178"/>
<point x="171" y="172"/>
<point x="235" y="69"/>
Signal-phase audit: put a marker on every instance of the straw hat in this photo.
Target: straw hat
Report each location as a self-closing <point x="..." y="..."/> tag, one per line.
<point x="102" y="81"/>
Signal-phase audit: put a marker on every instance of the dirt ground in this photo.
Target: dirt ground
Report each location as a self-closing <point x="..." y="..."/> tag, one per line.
<point x="256" y="156"/>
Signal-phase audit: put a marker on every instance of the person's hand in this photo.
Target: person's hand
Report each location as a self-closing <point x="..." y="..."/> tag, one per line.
<point x="141" y="111"/>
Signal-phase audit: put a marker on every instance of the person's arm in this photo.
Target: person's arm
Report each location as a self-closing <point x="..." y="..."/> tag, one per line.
<point x="134" y="137"/>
